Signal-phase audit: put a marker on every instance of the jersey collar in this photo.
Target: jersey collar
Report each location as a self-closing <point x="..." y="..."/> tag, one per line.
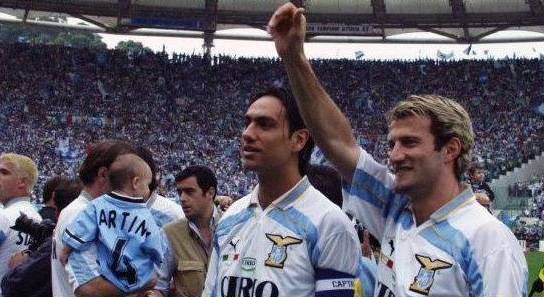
<point x="86" y="195"/>
<point x="466" y="197"/>
<point x="16" y="200"/>
<point x="285" y="200"/>
<point x="126" y="198"/>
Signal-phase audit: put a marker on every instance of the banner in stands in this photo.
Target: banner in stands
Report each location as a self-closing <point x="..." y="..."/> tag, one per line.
<point x="339" y="29"/>
<point x="541" y="246"/>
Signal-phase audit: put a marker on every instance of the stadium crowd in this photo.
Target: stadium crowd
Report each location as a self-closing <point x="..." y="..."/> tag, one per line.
<point x="533" y="188"/>
<point x="529" y="226"/>
<point x="189" y="110"/>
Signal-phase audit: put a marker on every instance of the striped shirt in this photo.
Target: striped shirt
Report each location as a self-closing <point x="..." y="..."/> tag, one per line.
<point x="462" y="250"/>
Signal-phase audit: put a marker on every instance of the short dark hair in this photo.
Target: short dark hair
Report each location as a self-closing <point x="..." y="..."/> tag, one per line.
<point x="205" y="178"/>
<point x="101" y="155"/>
<point x="147" y="156"/>
<point x="473" y="167"/>
<point x="66" y="192"/>
<point x="294" y="120"/>
<point x="327" y="181"/>
<point x="50" y="186"/>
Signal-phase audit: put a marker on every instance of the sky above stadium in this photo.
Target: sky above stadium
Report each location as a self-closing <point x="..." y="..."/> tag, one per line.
<point x="372" y="51"/>
<point x="347" y="50"/>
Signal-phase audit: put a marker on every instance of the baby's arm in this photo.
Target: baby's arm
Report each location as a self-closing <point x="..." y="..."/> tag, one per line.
<point x="82" y="231"/>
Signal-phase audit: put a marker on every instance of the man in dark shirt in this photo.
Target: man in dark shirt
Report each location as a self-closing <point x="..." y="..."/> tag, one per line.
<point x="476" y="175"/>
<point x="49" y="211"/>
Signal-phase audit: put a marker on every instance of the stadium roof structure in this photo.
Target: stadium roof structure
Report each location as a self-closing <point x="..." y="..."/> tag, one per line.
<point x="374" y="21"/>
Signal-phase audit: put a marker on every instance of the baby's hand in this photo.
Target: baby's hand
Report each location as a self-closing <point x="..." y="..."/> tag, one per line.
<point x="64" y="255"/>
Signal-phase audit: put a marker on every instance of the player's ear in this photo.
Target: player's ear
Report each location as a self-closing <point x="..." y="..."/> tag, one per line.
<point x="452" y="149"/>
<point x="102" y="172"/>
<point x="135" y="181"/>
<point x="210" y="193"/>
<point x="299" y="138"/>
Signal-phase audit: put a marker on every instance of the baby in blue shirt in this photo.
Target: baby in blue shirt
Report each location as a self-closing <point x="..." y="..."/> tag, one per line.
<point x="129" y="242"/>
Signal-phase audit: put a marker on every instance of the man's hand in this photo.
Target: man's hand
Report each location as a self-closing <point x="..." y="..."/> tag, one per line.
<point x="151" y="293"/>
<point x="483" y="199"/>
<point x="98" y="287"/>
<point x="365" y="246"/>
<point x="17" y="259"/>
<point x="287" y="26"/>
<point x="64" y="255"/>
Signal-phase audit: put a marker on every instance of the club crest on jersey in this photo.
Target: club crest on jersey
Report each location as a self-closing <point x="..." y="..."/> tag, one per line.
<point x="278" y="254"/>
<point x="424" y="279"/>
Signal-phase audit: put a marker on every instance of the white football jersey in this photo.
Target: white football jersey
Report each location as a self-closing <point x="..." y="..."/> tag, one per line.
<point x="65" y="278"/>
<point x="16" y="241"/>
<point x="301" y="245"/>
<point x="164" y="210"/>
<point x="462" y="250"/>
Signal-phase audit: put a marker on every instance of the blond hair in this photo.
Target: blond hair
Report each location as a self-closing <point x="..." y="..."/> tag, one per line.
<point x="24" y="168"/>
<point x="448" y="119"/>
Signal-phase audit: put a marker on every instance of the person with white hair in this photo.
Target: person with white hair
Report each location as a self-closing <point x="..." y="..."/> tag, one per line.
<point x="18" y="176"/>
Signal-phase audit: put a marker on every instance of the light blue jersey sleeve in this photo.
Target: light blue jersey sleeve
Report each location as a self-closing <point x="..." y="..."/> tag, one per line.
<point x="83" y="230"/>
<point x="370" y="197"/>
<point x="367" y="275"/>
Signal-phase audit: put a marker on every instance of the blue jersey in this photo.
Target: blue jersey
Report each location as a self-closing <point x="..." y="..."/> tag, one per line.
<point x="129" y="242"/>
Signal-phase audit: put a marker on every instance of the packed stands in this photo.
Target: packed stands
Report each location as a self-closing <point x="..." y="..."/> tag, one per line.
<point x="188" y="110"/>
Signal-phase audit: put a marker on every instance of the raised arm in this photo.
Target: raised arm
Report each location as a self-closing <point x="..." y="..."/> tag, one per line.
<point x="330" y="129"/>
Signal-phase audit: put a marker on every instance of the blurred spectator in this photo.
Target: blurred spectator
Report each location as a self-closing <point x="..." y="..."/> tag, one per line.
<point x="476" y="176"/>
<point x="223" y="202"/>
<point x="49" y="211"/>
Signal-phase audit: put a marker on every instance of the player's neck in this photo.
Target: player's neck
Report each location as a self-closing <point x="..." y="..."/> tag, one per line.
<point x="276" y="183"/>
<point x="94" y="190"/>
<point x="203" y="222"/>
<point x="440" y="194"/>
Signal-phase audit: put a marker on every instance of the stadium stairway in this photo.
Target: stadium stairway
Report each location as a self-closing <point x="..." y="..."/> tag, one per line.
<point x="525" y="173"/>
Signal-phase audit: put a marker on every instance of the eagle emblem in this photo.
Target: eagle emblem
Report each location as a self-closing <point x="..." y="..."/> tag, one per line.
<point x="278" y="254"/>
<point x="425" y="277"/>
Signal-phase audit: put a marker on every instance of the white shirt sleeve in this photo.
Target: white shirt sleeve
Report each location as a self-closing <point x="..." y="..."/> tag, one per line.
<point x="370" y="197"/>
<point x="337" y="268"/>
<point x="501" y="262"/>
